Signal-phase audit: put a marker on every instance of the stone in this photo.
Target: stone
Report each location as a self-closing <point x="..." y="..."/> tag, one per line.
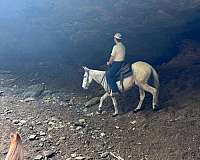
<point x="42" y="133"/>
<point x="92" y="101"/>
<point x="29" y="99"/>
<point x="73" y="155"/>
<point x="80" y="158"/>
<point x="23" y="122"/>
<point x="90" y="114"/>
<point x="41" y="144"/>
<point x="133" y="122"/>
<point x="104" y="155"/>
<point x="54" y="119"/>
<point x="15" y="121"/>
<point x="62" y="138"/>
<point x="38" y="157"/>
<point x="82" y="121"/>
<point x="102" y="134"/>
<point x="48" y="153"/>
<point x="51" y="123"/>
<point x="78" y="128"/>
<point x="32" y="137"/>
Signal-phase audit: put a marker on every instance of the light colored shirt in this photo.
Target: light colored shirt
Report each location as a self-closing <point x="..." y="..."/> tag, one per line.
<point x="118" y="52"/>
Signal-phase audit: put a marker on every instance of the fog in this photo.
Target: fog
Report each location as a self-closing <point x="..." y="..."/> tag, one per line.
<point x="81" y="31"/>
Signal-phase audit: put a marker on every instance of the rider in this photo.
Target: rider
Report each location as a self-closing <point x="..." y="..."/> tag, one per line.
<point x="115" y="62"/>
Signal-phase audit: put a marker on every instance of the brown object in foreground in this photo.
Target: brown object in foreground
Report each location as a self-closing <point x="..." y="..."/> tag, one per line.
<point x="15" y="151"/>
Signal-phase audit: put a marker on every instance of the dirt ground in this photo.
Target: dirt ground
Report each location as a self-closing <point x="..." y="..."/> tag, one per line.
<point x="171" y="133"/>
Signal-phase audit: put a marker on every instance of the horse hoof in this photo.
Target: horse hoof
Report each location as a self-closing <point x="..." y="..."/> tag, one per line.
<point x="136" y="110"/>
<point x="115" y="114"/>
<point x="99" y="112"/>
<point x="156" y="108"/>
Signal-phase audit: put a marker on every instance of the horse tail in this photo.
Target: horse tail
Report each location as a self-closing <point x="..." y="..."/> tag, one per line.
<point x="156" y="78"/>
<point x="156" y="82"/>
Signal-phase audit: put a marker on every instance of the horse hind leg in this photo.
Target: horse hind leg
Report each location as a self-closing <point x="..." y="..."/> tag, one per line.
<point x="153" y="91"/>
<point x="142" y="96"/>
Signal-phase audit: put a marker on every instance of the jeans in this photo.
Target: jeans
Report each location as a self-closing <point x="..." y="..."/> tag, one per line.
<point x="110" y="75"/>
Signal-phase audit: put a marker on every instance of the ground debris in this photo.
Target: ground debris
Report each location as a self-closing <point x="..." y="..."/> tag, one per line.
<point x="92" y="101"/>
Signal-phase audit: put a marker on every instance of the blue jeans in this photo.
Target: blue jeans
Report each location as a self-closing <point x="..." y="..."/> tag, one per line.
<point x="110" y="75"/>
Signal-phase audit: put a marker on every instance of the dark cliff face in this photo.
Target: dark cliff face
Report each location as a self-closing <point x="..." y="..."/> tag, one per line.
<point x="81" y="31"/>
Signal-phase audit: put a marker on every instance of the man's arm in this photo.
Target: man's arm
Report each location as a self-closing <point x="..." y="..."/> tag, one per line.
<point x="110" y="60"/>
<point x="112" y="56"/>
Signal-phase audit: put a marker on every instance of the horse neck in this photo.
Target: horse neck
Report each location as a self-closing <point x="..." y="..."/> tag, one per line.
<point x="97" y="76"/>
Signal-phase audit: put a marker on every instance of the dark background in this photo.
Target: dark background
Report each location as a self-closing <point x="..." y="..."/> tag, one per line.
<point x="59" y="36"/>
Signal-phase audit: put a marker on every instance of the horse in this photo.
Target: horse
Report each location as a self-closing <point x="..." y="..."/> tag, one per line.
<point x="141" y="72"/>
<point x="15" y="151"/>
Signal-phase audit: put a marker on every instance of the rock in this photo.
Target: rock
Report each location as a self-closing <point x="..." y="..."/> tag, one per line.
<point x="73" y="155"/>
<point x="23" y="122"/>
<point x="48" y="153"/>
<point x="104" y="155"/>
<point x="78" y="128"/>
<point x="133" y="122"/>
<point x="81" y="122"/>
<point x="29" y="99"/>
<point x="62" y="138"/>
<point x="51" y="123"/>
<point x="102" y="134"/>
<point x="32" y="137"/>
<point x="34" y="90"/>
<point x="80" y="158"/>
<point x="41" y="145"/>
<point x="92" y="102"/>
<point x="54" y="119"/>
<point x="38" y="157"/>
<point x="90" y="114"/>
<point x="43" y="139"/>
<point x="9" y="111"/>
<point x="15" y="121"/>
<point x="42" y="133"/>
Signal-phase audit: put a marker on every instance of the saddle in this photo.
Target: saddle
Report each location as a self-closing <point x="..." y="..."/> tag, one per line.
<point x="124" y="72"/>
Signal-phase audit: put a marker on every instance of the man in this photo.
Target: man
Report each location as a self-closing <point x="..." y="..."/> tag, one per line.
<point x="115" y="62"/>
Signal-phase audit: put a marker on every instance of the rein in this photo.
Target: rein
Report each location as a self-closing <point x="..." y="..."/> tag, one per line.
<point x="103" y="78"/>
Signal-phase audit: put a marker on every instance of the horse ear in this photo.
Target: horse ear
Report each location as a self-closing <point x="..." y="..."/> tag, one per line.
<point x="85" y="68"/>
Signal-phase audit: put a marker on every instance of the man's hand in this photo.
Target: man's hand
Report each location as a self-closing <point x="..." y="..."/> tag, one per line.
<point x="110" y="60"/>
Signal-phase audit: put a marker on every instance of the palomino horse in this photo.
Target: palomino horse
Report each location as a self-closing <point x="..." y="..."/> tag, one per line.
<point x="15" y="151"/>
<point x="141" y="73"/>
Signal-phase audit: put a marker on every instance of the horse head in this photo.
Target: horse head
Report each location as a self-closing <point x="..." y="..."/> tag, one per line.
<point x="87" y="79"/>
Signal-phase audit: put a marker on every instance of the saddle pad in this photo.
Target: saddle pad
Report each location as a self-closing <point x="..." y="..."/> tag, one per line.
<point x="124" y="72"/>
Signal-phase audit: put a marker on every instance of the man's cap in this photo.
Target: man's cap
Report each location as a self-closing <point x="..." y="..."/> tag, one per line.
<point x="118" y="36"/>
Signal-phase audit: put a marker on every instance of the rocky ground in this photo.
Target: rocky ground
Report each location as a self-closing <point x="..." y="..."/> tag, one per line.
<point x="57" y="125"/>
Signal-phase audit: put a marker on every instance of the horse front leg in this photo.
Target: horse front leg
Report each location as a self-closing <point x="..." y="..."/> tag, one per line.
<point x="115" y="106"/>
<point x="101" y="101"/>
